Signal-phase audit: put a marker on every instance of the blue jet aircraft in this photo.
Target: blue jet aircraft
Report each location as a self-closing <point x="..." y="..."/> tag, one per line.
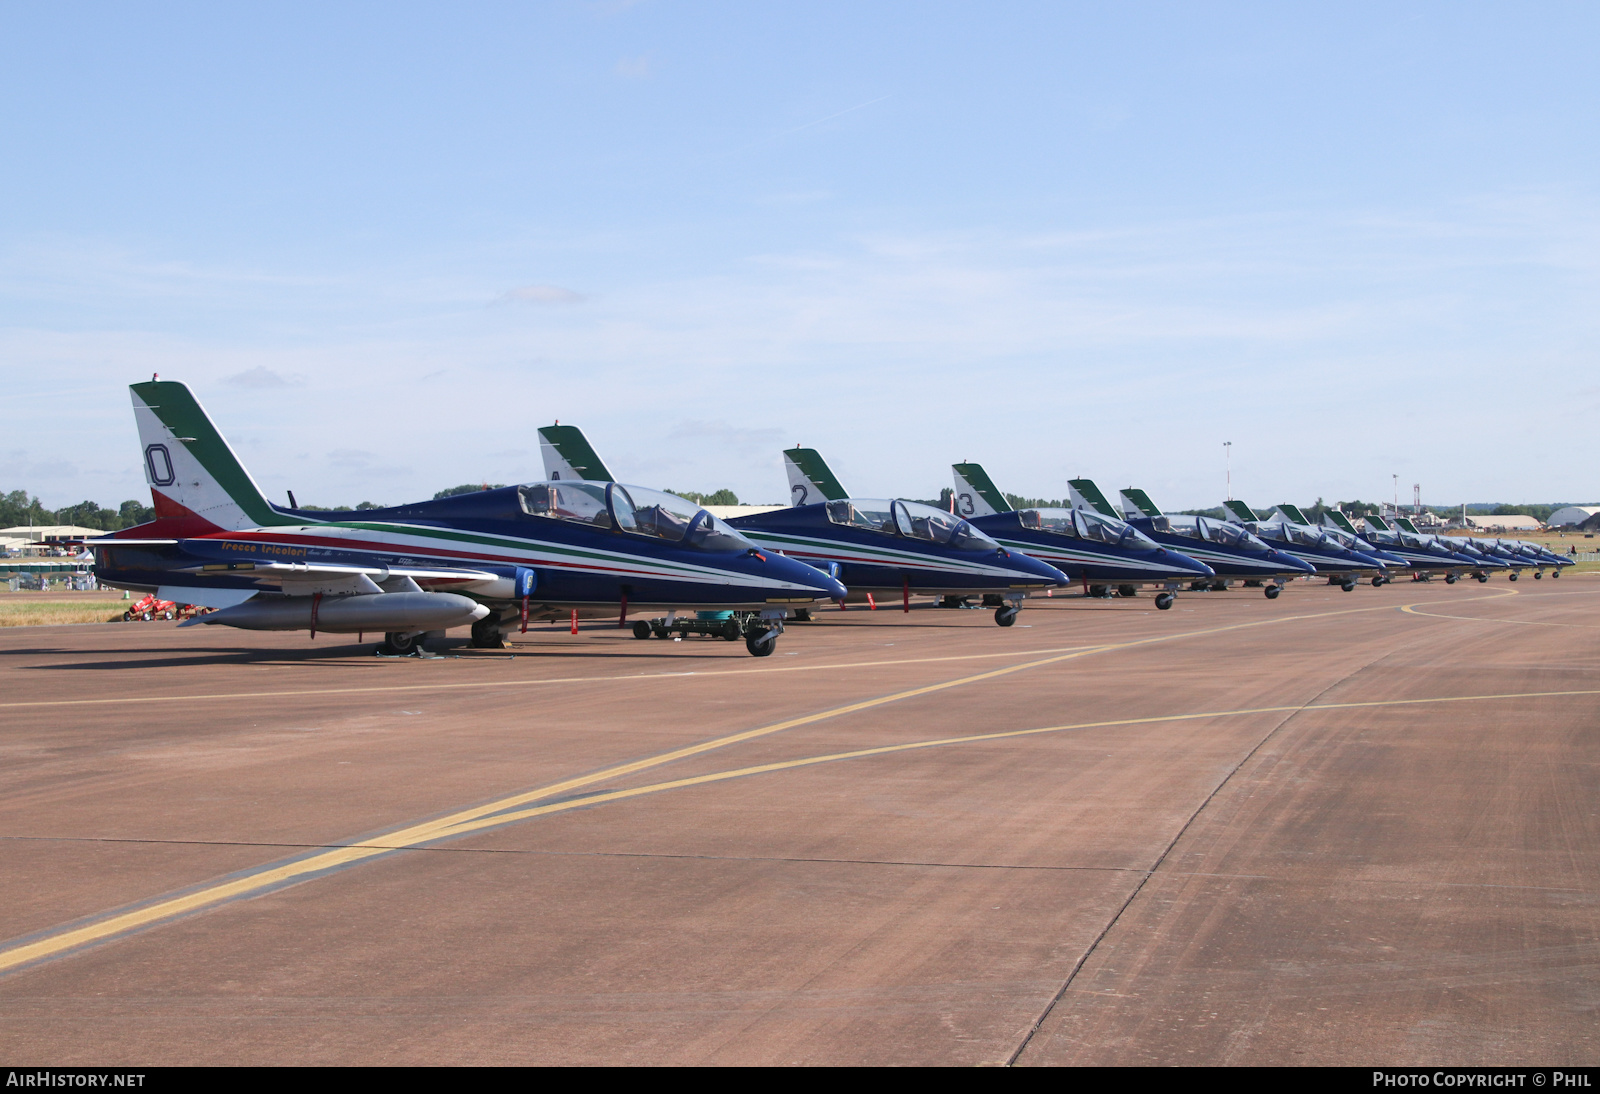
<point x="491" y="558"/>
<point x="878" y="547"/>
<point x="1092" y="547"/>
<point x="1232" y="553"/>
<point x="1341" y="565"/>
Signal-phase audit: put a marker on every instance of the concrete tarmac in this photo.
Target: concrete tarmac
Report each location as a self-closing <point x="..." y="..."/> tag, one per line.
<point x="1328" y="829"/>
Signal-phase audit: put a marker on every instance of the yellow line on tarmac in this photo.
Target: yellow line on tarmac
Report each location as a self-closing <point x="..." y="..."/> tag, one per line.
<point x="883" y="750"/>
<point x="674" y="675"/>
<point x="493" y="816"/>
<point x="431" y="830"/>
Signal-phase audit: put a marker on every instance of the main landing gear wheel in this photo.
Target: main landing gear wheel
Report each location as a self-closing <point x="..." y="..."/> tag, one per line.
<point x="1273" y="591"/>
<point x="486" y="635"/>
<point x="641" y="628"/>
<point x="1451" y="579"/>
<point x="400" y="643"/>
<point x="1348" y="586"/>
<point x="760" y="642"/>
<point x="1556" y="574"/>
<point x="1483" y="579"/>
<point x="1538" y="576"/>
<point x="1007" y="615"/>
<point x="1127" y="590"/>
<point x="1164" y="601"/>
<point x="1515" y="575"/>
<point x="1379" y="582"/>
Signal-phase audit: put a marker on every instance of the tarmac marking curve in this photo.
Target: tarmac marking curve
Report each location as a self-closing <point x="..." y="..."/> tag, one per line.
<point x="498" y="814"/>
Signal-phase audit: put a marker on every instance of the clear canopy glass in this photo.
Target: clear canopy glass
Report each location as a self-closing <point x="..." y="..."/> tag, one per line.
<point x="911" y="519"/>
<point x="1078" y="524"/>
<point x="615" y="507"/>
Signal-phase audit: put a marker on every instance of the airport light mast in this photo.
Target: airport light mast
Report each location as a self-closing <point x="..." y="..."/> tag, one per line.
<point x="1227" y="455"/>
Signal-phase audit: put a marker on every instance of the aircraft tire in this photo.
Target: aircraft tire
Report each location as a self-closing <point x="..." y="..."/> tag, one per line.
<point x="1127" y="590"/>
<point x="802" y="615"/>
<point x="1219" y="586"/>
<point x="753" y="642"/>
<point x="1539" y="576"/>
<point x="1007" y="615"/>
<point x="1273" y="591"/>
<point x="1451" y="579"/>
<point x="1556" y="574"/>
<point x="1164" y="601"/>
<point x="641" y="628"/>
<point x="400" y="643"/>
<point x="1483" y="579"/>
<point x="1348" y="586"/>
<point x="1514" y="575"/>
<point x="1379" y="582"/>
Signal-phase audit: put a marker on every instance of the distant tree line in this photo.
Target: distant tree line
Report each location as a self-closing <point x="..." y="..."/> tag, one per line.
<point x="720" y="497"/>
<point x="19" y="508"/>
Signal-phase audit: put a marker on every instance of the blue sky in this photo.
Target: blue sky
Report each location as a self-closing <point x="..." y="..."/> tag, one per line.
<point x="384" y="243"/>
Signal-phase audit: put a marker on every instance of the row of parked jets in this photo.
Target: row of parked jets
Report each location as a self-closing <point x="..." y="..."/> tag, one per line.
<point x="581" y="544"/>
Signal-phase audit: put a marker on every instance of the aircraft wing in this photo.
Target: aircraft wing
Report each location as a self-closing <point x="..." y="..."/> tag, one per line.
<point x="306" y="578"/>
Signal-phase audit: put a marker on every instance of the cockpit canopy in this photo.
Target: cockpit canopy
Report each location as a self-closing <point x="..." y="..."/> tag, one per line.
<point x="1079" y="524"/>
<point x="615" y="507"/>
<point x="911" y="519"/>
<point x="1211" y="531"/>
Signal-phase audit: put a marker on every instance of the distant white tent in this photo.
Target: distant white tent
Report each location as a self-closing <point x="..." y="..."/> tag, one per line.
<point x="1572" y="514"/>
<point x="1511" y="522"/>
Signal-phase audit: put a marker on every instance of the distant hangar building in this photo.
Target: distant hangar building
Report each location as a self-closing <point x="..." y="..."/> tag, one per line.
<point x="1573" y="514"/>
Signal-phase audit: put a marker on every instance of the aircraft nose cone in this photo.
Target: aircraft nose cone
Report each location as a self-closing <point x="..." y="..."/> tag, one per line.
<point x="1289" y="562"/>
<point x="1034" y="568"/>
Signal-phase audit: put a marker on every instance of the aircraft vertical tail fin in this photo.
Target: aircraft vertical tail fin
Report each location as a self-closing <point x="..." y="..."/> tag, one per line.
<point x="1291" y="513"/>
<point x="1086" y="495"/>
<point x="197" y="483"/>
<point x="810" y="479"/>
<point x="1406" y="525"/>
<point x="1136" y="503"/>
<point x="568" y="455"/>
<point x="1333" y="518"/>
<point x="976" y="494"/>
<point x="1376" y="522"/>
<point x="1238" y="512"/>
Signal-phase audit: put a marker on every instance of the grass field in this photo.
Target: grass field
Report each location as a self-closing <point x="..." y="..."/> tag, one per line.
<point x="29" y="609"/>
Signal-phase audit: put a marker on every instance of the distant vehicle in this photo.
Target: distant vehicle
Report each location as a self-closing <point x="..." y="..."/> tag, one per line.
<point x="491" y="559"/>
<point x="151" y="607"/>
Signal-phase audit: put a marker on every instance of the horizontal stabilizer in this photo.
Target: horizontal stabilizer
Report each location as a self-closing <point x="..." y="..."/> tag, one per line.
<point x="1086" y="495"/>
<point x="810" y="479"/>
<point x="568" y="455"/>
<point x="976" y="495"/>
<point x="1136" y="503"/>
